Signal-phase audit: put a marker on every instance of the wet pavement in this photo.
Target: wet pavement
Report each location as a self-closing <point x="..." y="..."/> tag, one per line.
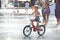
<point x="11" y="28"/>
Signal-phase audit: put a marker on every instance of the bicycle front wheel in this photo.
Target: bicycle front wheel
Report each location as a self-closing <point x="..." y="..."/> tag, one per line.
<point x="41" y="30"/>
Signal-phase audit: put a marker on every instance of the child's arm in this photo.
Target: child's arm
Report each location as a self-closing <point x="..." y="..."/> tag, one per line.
<point x="33" y="13"/>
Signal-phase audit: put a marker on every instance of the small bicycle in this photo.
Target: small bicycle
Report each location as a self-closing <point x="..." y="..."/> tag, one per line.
<point x="34" y="25"/>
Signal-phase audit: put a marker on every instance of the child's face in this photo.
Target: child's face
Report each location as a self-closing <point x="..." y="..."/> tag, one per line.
<point x="35" y="8"/>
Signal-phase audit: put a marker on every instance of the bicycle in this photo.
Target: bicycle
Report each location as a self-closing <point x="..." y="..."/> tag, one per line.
<point x="33" y="25"/>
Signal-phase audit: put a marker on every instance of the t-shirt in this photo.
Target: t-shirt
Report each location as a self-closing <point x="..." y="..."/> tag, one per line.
<point x="33" y="2"/>
<point x="15" y="2"/>
<point x="27" y="5"/>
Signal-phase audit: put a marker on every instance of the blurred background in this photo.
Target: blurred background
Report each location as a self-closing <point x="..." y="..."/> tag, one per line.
<point x="11" y="24"/>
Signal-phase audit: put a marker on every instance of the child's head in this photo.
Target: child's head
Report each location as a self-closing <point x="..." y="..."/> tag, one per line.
<point x="35" y="7"/>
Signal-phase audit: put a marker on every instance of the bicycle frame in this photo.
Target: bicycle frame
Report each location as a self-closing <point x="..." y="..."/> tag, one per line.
<point x="34" y="24"/>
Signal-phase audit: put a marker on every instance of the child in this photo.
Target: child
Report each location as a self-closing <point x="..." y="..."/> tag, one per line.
<point x="16" y="5"/>
<point x="26" y="6"/>
<point x="37" y="15"/>
<point x="45" y="10"/>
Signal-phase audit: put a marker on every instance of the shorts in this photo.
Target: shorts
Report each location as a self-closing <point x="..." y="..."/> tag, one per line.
<point x="57" y="14"/>
<point x="47" y="10"/>
<point x="16" y="4"/>
<point x="37" y="19"/>
<point x="57" y="11"/>
<point x="44" y="13"/>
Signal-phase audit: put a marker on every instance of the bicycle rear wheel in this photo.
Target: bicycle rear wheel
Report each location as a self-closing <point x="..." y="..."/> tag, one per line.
<point x="41" y="30"/>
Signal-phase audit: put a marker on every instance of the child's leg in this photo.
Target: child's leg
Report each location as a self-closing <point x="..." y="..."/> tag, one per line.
<point x="58" y="21"/>
<point x="17" y="9"/>
<point x="44" y="15"/>
<point x="14" y="11"/>
<point x="47" y="18"/>
<point x="37" y="19"/>
<point x="44" y="18"/>
<point x="47" y="14"/>
<point x="32" y="22"/>
<point x="26" y="10"/>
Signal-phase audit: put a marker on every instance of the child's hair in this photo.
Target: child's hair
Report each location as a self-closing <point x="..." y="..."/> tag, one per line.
<point x="36" y="6"/>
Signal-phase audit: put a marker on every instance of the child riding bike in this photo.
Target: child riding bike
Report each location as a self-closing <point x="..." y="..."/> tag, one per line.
<point x="37" y="15"/>
<point x="34" y="24"/>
